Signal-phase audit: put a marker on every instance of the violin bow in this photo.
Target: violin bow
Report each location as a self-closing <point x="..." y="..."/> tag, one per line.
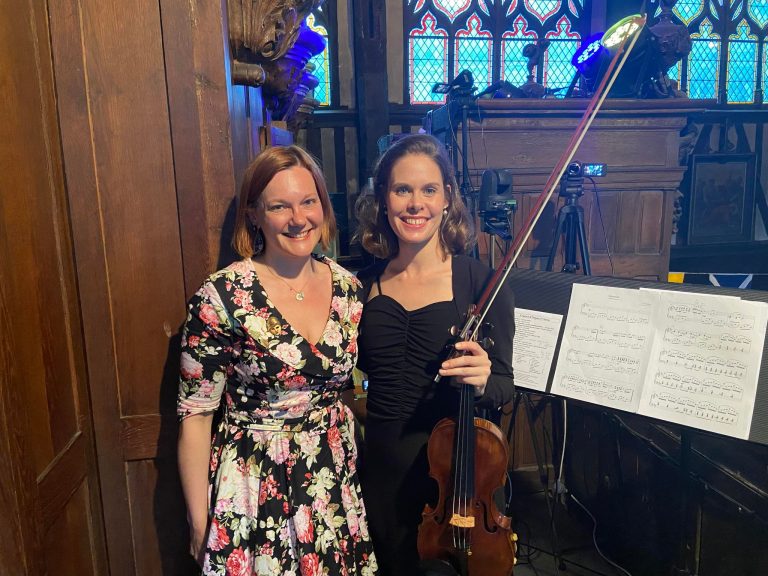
<point x="480" y="309"/>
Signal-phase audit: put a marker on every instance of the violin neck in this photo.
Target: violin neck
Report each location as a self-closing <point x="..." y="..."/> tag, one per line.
<point x="464" y="456"/>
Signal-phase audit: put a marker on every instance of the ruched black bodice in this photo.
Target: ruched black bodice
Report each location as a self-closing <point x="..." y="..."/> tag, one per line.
<point x="401" y="351"/>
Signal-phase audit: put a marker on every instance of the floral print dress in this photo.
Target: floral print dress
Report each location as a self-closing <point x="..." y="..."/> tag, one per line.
<point x="284" y="492"/>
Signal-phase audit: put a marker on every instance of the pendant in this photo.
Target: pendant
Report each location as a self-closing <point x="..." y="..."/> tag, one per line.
<point x="299" y="296"/>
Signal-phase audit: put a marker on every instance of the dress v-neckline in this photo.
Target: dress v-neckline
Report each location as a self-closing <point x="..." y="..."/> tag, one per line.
<point x="284" y="322"/>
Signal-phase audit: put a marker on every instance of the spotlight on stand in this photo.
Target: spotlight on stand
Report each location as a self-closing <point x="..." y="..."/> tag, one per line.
<point x="589" y="60"/>
<point x="638" y="71"/>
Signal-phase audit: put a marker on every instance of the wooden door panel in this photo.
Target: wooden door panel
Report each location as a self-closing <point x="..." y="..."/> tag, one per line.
<point x="50" y="487"/>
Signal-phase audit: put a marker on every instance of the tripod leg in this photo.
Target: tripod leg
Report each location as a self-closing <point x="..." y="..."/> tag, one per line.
<point x="583" y="242"/>
<point x="559" y="231"/>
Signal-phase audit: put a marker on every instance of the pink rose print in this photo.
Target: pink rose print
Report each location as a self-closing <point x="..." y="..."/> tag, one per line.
<point x="332" y="335"/>
<point x="239" y="563"/>
<point x="288" y="353"/>
<point x="217" y="537"/>
<point x="310" y="565"/>
<point x="193" y="341"/>
<point x="191" y="369"/>
<point x="305" y="532"/>
<point x="355" y="311"/>
<point x="209" y="316"/>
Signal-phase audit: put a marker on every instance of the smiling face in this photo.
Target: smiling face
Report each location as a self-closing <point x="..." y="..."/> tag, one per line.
<point x="290" y="214"/>
<point x="415" y="200"/>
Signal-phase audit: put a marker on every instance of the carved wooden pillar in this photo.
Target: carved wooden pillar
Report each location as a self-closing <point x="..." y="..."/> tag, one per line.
<point x="271" y="45"/>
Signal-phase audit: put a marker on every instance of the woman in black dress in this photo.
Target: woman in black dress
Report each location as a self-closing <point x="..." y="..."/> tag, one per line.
<point x="418" y="225"/>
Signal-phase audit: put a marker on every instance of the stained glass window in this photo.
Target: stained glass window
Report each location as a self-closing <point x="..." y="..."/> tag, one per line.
<point x="742" y="65"/>
<point x="558" y="70"/>
<point x="487" y="37"/>
<point x="428" y="50"/>
<point x="474" y="50"/>
<point x="513" y="62"/>
<point x="736" y="28"/>
<point x="322" y="65"/>
<point x="704" y="62"/>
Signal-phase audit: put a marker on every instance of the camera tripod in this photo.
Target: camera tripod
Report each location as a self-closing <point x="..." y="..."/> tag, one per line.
<point x="570" y="226"/>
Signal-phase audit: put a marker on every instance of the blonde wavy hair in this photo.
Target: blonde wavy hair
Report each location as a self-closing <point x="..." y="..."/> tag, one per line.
<point x="248" y="240"/>
<point x="456" y="233"/>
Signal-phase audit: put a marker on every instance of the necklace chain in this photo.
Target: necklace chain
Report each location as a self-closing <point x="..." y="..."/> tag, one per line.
<point x="298" y="294"/>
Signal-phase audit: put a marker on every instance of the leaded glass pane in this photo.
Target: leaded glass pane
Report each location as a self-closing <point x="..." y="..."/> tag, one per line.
<point x="674" y="72"/>
<point x="513" y="63"/>
<point x="558" y="70"/>
<point x="428" y="66"/>
<point x="321" y="61"/>
<point x="742" y="66"/>
<point x="687" y="10"/>
<point x="428" y="60"/>
<point x="543" y="9"/>
<point x="451" y="8"/>
<point x="704" y="63"/>
<point x="758" y="10"/>
<point x="474" y="52"/>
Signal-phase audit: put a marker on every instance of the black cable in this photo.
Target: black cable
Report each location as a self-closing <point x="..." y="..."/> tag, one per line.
<point x="602" y="222"/>
<point x="594" y="537"/>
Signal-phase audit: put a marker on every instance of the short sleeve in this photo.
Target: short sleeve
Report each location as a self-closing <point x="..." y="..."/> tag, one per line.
<point x="206" y="353"/>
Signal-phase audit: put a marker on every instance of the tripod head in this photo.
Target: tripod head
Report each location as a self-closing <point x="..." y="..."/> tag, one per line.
<point x="572" y="183"/>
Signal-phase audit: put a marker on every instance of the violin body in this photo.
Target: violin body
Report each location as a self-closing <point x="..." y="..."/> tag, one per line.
<point x="470" y="533"/>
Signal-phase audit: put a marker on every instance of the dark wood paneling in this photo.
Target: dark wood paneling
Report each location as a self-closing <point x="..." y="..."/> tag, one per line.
<point x="157" y="505"/>
<point x="66" y="545"/>
<point x="47" y="442"/>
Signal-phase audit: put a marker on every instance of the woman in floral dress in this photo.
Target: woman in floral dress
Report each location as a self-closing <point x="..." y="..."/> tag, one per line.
<point x="269" y="345"/>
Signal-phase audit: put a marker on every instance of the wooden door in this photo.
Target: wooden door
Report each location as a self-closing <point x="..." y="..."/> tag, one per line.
<point x="49" y="492"/>
<point x="153" y="139"/>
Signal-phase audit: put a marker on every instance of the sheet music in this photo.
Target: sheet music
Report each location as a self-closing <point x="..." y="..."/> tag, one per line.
<point x="605" y="346"/>
<point x="704" y="363"/>
<point x="534" y="347"/>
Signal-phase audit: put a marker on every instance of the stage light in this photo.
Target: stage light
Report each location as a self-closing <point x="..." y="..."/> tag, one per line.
<point x="624" y="28"/>
<point x="639" y="69"/>
<point x="590" y="59"/>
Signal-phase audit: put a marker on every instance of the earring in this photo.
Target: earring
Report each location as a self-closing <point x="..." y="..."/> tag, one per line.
<point x="445" y="211"/>
<point x="257" y="238"/>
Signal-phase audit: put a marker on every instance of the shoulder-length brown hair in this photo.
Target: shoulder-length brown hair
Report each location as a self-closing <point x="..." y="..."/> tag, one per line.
<point x="248" y="240"/>
<point x="376" y="235"/>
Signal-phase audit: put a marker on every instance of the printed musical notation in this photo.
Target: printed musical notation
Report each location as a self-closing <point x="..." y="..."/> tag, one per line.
<point x="534" y="347"/>
<point x="609" y="337"/>
<point x="704" y="387"/>
<point x="603" y="361"/>
<point x="696" y="313"/>
<point x="704" y="362"/>
<point x="597" y="388"/>
<point x="732" y="368"/>
<point x="613" y="314"/>
<point x="696" y="409"/>
<point x="704" y="341"/>
<point x="687" y="358"/>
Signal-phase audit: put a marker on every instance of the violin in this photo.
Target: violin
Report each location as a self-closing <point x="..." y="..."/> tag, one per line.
<point x="465" y="529"/>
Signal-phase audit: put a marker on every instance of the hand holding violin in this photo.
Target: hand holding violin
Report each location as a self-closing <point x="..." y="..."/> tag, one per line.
<point x="471" y="366"/>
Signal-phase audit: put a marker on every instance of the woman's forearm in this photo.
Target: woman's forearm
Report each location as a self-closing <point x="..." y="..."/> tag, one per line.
<point x="194" y="459"/>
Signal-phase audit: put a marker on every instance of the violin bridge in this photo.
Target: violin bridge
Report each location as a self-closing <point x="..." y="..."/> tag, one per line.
<point x="462" y="521"/>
